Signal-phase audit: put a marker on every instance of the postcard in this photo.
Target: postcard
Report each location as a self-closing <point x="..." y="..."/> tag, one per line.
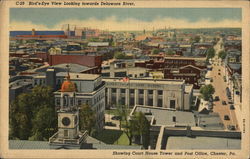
<point x="124" y="79"/>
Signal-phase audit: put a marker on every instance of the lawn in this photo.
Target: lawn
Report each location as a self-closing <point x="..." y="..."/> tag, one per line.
<point x="123" y="140"/>
<point x="114" y="111"/>
<point x="109" y="136"/>
<point x="116" y="137"/>
<point x="111" y="111"/>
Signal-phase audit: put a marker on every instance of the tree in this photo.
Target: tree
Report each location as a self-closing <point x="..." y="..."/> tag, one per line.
<point x="222" y="55"/>
<point x="24" y="112"/>
<point x="170" y="52"/>
<point x="155" y="51"/>
<point x="197" y="39"/>
<point x="123" y="112"/>
<point x="87" y="118"/>
<point x="210" y="53"/>
<point x="207" y="91"/>
<point x="141" y="127"/>
<point x="44" y="127"/>
<point x="119" y="55"/>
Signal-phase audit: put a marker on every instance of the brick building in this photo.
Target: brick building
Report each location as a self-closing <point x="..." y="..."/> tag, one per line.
<point x="84" y="60"/>
<point x="191" y="74"/>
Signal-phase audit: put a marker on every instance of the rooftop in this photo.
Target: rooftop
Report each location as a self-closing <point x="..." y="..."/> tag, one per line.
<point x="79" y="76"/>
<point x="164" y="116"/>
<point x="183" y="142"/>
<point x="20" y="83"/>
<point x="96" y="144"/>
<point x="73" y="67"/>
<point x="147" y="80"/>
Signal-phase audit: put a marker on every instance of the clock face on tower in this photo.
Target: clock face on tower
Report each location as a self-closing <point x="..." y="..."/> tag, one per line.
<point x="66" y="121"/>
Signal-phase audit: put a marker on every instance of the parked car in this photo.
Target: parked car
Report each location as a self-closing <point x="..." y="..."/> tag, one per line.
<point x="226" y="117"/>
<point x="211" y="99"/>
<point x="224" y="102"/>
<point x="232" y="107"/>
<point x="230" y="102"/>
<point x="110" y="124"/>
<point x="216" y="98"/>
<point x="231" y="127"/>
<point x="116" y="118"/>
<point x="225" y="80"/>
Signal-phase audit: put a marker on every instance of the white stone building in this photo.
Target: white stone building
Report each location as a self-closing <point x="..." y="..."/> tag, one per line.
<point x="174" y="94"/>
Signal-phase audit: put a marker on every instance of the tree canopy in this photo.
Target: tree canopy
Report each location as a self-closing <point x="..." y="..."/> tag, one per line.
<point x="137" y="125"/>
<point x="197" y="39"/>
<point x="120" y="55"/>
<point x="222" y="55"/>
<point x="210" y="53"/>
<point x="33" y="115"/>
<point x="155" y="51"/>
<point x="207" y="91"/>
<point x="87" y="118"/>
<point x="141" y="128"/>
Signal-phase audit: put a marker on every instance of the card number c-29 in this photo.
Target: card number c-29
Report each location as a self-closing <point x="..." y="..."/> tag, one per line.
<point x="20" y="3"/>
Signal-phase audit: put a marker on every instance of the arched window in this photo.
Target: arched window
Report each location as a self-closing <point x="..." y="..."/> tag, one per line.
<point x="66" y="100"/>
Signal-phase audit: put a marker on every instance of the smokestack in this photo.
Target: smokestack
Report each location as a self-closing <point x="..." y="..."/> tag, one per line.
<point x="33" y="32"/>
<point x="68" y="30"/>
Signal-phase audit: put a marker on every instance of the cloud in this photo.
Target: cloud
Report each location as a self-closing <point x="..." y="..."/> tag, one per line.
<point x="113" y="24"/>
<point x="27" y="25"/>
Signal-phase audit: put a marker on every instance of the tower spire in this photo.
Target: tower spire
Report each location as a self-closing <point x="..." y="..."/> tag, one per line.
<point x="68" y="68"/>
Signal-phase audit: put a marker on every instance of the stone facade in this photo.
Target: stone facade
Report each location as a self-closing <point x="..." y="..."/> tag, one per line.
<point x="173" y="94"/>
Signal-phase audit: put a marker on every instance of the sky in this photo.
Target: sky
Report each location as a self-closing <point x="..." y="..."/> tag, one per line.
<point x="115" y="19"/>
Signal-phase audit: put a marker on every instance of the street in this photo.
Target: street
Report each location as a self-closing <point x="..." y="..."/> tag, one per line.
<point x="220" y="86"/>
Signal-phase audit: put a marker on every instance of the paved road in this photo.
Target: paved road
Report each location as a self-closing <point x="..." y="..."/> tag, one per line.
<point x="220" y="90"/>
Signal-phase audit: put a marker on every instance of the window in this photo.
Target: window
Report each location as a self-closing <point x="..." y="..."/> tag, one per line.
<point x="172" y="104"/>
<point x="141" y="101"/>
<point x="113" y="90"/>
<point x="131" y="91"/>
<point x="150" y="91"/>
<point x="131" y="101"/>
<point x="160" y="92"/>
<point x="79" y="102"/>
<point x="66" y="133"/>
<point x="123" y="90"/>
<point x="58" y="101"/>
<point x="150" y="101"/>
<point x="65" y="100"/>
<point x="141" y="91"/>
<point x="159" y="104"/>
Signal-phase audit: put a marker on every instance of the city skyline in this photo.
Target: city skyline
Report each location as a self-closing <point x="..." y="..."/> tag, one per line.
<point x="131" y="19"/>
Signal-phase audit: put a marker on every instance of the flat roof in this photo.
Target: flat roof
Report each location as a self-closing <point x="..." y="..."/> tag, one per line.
<point x="147" y="80"/>
<point x="73" y="67"/>
<point x="211" y="121"/>
<point x="183" y="142"/>
<point x="185" y="58"/>
<point x="26" y="144"/>
<point x="164" y="116"/>
<point x="19" y="83"/>
<point x="80" y="76"/>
